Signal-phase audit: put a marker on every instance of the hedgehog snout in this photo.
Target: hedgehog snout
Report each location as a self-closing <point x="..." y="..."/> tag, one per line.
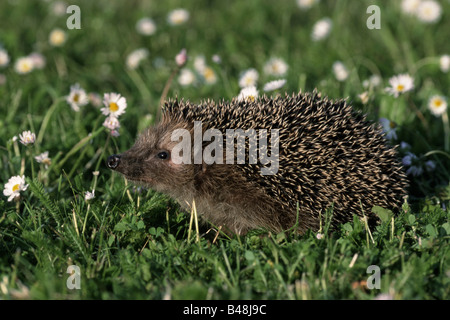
<point x="113" y="161"/>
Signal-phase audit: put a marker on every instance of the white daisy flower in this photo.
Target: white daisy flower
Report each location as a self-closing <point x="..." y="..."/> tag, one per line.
<point x="372" y="82"/>
<point x="199" y="64"/>
<point x="89" y="195"/>
<point x="444" y="63"/>
<point x="375" y="80"/>
<point x="274" y="85"/>
<point x="112" y="123"/>
<point x="437" y="105"/>
<point x="186" y="77"/>
<point x="306" y="4"/>
<point x="340" y="71"/>
<point x="410" y="6"/>
<point x="134" y="58"/>
<point x="14" y="186"/>
<point x="146" y="26"/>
<point x="429" y="11"/>
<point x="4" y="58"/>
<point x="400" y="84"/>
<point x="77" y="97"/>
<point x="24" y="65"/>
<point x="115" y="104"/>
<point x="115" y="133"/>
<point x="216" y="59"/>
<point x="27" y="137"/>
<point x="57" y="37"/>
<point x="178" y="16"/>
<point x="38" y="60"/>
<point x="389" y="128"/>
<point x="181" y="58"/>
<point x="248" y="78"/>
<point x="43" y="158"/>
<point x="58" y="8"/>
<point x="276" y="67"/>
<point x="364" y="97"/>
<point x="95" y="99"/>
<point x="321" y="29"/>
<point x="248" y="94"/>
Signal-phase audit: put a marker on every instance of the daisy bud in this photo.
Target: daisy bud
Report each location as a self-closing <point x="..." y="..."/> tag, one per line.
<point x="181" y="58"/>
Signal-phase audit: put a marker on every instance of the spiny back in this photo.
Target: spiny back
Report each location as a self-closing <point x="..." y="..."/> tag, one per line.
<point x="328" y="153"/>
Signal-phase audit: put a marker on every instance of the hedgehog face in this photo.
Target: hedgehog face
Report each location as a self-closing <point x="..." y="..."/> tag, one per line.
<point x="150" y="162"/>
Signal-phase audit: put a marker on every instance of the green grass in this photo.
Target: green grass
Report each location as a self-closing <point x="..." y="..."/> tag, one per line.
<point x="131" y="243"/>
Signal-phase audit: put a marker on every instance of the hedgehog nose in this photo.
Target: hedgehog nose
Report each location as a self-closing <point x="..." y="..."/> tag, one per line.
<point x="113" y="161"/>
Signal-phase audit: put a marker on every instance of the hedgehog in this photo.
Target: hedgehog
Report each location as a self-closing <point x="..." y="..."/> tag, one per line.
<point x="324" y="155"/>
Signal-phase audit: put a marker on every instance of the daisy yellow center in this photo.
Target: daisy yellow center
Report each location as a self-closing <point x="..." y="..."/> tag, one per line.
<point x="251" y="98"/>
<point x="15" y="187"/>
<point x="57" y="37"/>
<point x="26" y="67"/>
<point x="113" y="107"/>
<point x="437" y="103"/>
<point x="391" y="125"/>
<point x="76" y="97"/>
<point x="400" y="87"/>
<point x="209" y="73"/>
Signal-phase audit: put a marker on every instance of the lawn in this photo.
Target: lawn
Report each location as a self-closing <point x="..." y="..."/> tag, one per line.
<point x="73" y="229"/>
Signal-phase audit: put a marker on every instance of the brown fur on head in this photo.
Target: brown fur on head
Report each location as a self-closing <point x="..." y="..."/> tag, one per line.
<point x="150" y="161"/>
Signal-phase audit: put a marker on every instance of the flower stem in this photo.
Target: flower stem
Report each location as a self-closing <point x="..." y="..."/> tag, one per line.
<point x="446" y="131"/>
<point x="419" y="114"/>
<point x="166" y="91"/>
<point x="100" y="159"/>
<point x="46" y="120"/>
<point x="18" y="206"/>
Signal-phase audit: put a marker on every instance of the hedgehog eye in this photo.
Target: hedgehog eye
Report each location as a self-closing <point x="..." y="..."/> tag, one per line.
<point x="163" y="155"/>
